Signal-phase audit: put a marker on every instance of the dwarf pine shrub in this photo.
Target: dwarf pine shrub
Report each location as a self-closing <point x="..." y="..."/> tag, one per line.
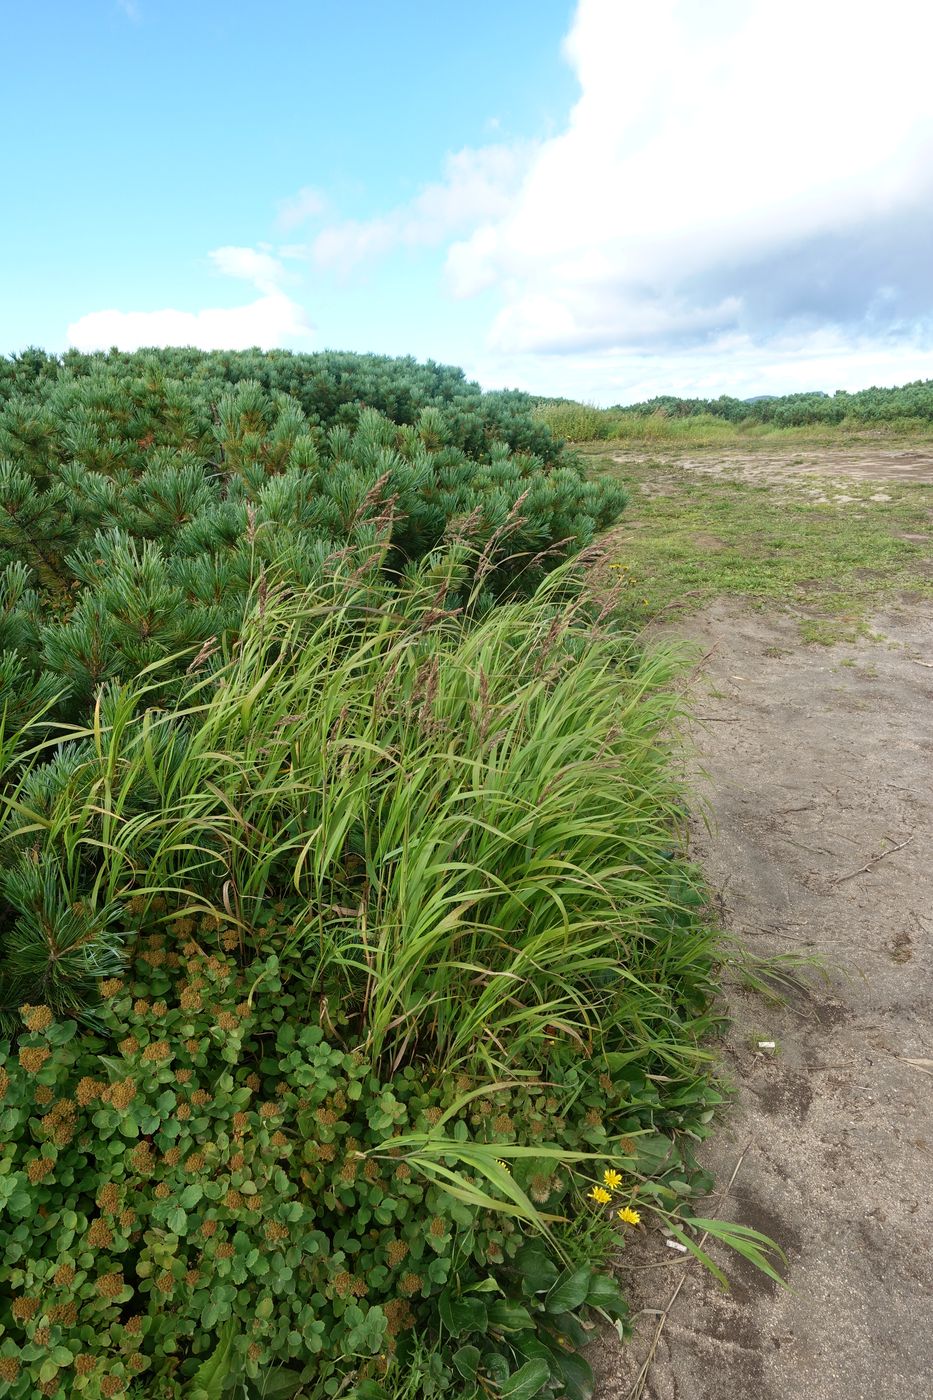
<point x="142" y="496"/>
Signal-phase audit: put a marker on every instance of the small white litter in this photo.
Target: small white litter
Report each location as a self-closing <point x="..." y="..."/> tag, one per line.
<point x="766" y="1045"/>
<point x="674" y="1244"/>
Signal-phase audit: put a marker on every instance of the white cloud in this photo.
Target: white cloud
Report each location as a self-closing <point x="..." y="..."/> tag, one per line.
<point x="307" y="204"/>
<point x="273" y="319"/>
<point x="730" y="169"/>
<point x="478" y="184"/>
<point x="260" y="268"/>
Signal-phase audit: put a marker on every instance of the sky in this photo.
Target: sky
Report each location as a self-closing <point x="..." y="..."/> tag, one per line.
<point x="599" y="199"/>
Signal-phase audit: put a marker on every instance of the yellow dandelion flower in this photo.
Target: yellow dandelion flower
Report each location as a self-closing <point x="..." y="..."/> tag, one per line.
<point x="504" y="1165"/>
<point x="629" y="1216"/>
<point x="601" y="1196"/>
<point x="613" y="1180"/>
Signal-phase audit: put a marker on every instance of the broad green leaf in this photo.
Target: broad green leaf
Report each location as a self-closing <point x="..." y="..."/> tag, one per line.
<point x="210" y="1379"/>
<point x="509" y="1316"/>
<point x="282" y="1384"/>
<point x="606" y="1294"/>
<point x="569" y="1291"/>
<point x="527" y="1381"/>
<point x="466" y="1360"/>
<point x="462" y="1315"/>
<point x="576" y="1374"/>
<point x="538" y="1270"/>
<point x="177" y="1221"/>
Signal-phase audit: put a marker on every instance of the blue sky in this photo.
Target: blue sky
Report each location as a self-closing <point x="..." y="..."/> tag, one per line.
<point x="602" y="198"/>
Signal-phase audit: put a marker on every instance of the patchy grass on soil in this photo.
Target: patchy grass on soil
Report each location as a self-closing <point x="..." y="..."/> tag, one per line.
<point x="689" y="537"/>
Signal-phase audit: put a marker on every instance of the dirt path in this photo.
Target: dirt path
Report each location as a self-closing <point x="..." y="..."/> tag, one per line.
<point x="815" y="767"/>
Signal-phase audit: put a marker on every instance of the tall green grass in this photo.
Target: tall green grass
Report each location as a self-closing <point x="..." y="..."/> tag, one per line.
<point x="468" y="832"/>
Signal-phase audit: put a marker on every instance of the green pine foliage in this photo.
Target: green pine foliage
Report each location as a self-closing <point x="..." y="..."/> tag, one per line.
<point x="142" y="497"/>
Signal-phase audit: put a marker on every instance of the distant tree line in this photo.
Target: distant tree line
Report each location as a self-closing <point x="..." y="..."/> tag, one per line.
<point x="914" y="400"/>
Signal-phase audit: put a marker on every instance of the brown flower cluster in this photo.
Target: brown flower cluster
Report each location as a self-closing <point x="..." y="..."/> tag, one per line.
<point x="89" y="1089"/>
<point x="37" y="1018"/>
<point x="121" y="1094"/>
<point x="110" y="1285"/>
<point x="108" y="1198"/>
<point x="33" y="1057"/>
<point x="99" y="1235"/>
<point x="398" y="1315"/>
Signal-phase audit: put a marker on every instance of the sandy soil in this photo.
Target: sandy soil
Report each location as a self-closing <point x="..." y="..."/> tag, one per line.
<point x="865" y="463"/>
<point x="814" y="769"/>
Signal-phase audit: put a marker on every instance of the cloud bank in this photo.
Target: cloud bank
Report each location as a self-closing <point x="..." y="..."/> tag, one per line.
<point x="733" y="173"/>
<point x="273" y="319"/>
<point x="741" y="200"/>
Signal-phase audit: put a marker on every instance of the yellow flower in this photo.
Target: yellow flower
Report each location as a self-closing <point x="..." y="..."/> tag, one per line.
<point x="631" y="1217"/>
<point x="598" y="1194"/>
<point x="613" y="1180"/>
<point x="505" y="1166"/>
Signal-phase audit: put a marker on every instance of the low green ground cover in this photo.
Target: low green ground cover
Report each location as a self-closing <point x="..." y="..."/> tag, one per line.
<point x="363" y="988"/>
<point x="693" y="537"/>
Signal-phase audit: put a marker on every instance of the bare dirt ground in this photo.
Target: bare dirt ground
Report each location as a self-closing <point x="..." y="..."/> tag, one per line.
<point x="865" y="463"/>
<point x="819" y="782"/>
